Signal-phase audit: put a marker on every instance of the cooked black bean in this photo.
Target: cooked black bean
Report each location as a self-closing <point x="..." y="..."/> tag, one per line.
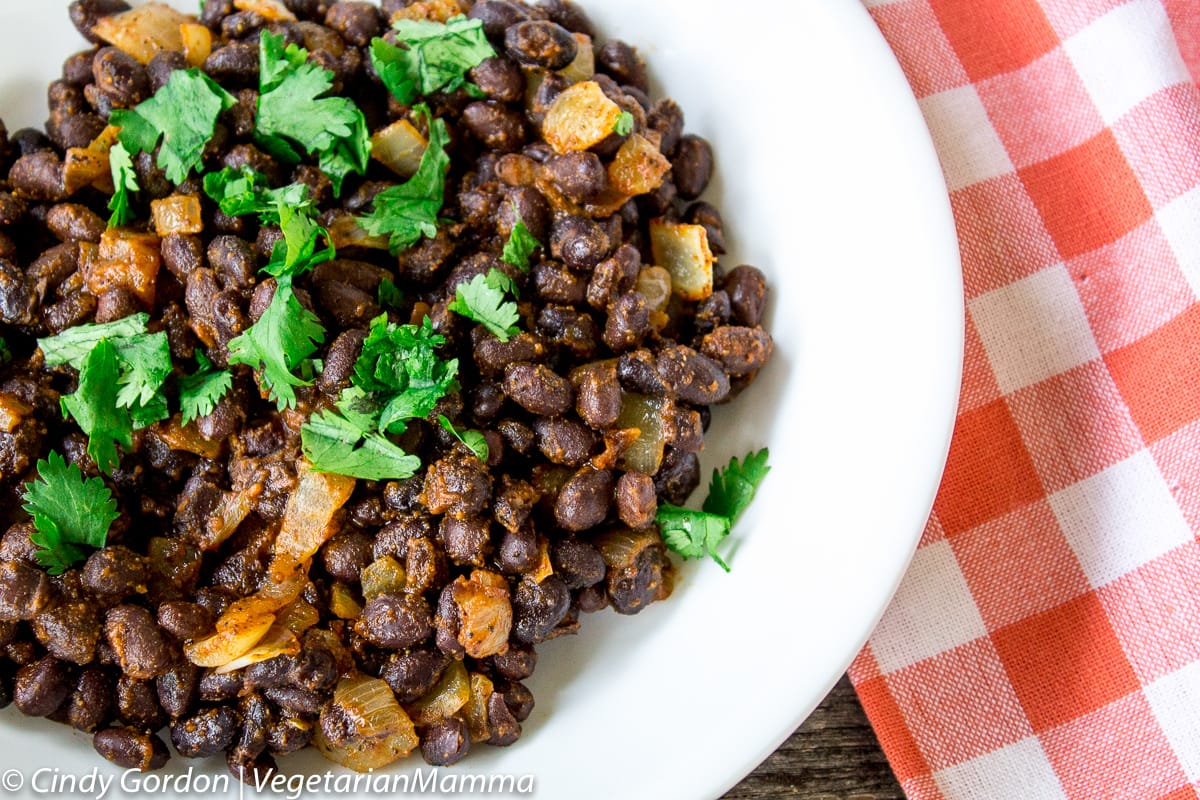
<point x="291" y="732"/>
<point x="457" y="485"/>
<point x="637" y="503"/>
<point x="236" y="61"/>
<point x="564" y="441"/>
<point x="69" y="631"/>
<point x="137" y="704"/>
<point x="634" y="586"/>
<point x="622" y="62"/>
<point x="739" y="350"/>
<point x="121" y="77"/>
<point x="233" y="259"/>
<point x="72" y="223"/>
<point x="131" y="748"/>
<point x="538" y="389"/>
<point x="577" y="562"/>
<point x="90" y="704"/>
<point x="116" y="571"/>
<point x="357" y="22"/>
<point x="215" y="687"/>
<point x="395" y="621"/>
<point x="497" y="16"/>
<point x="614" y="276"/>
<point x="177" y="689"/>
<point x="519" y="700"/>
<point x="77" y="69"/>
<point x="552" y="85"/>
<point x="346" y="555"/>
<point x="185" y="620"/>
<point x="707" y="216"/>
<point x="206" y="733"/>
<point x="500" y="79"/>
<point x="692" y="376"/>
<point x="678" y="475"/>
<point x="540" y="43"/>
<point x="160" y="67"/>
<point x="86" y="13"/>
<point x="747" y="290"/>
<point x="241" y="24"/>
<point x="584" y="500"/>
<point x="24" y="590"/>
<point x="339" y="364"/>
<point x="42" y="686"/>
<point x="496" y="126"/>
<point x="445" y="742"/>
<point x="628" y="322"/>
<point x="38" y="176"/>
<point x="518" y="552"/>
<point x="137" y="642"/>
<point x="466" y="540"/>
<point x="691" y="166"/>
<point x="538" y="608"/>
<point x="580" y="242"/>
<point x="579" y="175"/>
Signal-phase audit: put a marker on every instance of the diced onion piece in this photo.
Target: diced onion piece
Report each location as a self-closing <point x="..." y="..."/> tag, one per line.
<point x="179" y="213"/>
<point x="616" y="442"/>
<point x="278" y="641"/>
<point x="13" y="411"/>
<point x="580" y="117"/>
<point x="583" y="68"/>
<point x="448" y="695"/>
<point x="197" y="43"/>
<point x="485" y="613"/>
<point x="187" y="438"/>
<point x="382" y="576"/>
<point x="432" y="10"/>
<point x="638" y="167"/>
<point x="683" y="250"/>
<point x="84" y="167"/>
<point x="476" y="713"/>
<point x="308" y="518"/>
<point x="298" y="616"/>
<point x="129" y="260"/>
<point x="144" y="32"/>
<point x="646" y="413"/>
<point x="270" y="10"/>
<point x="272" y="596"/>
<point x="620" y="547"/>
<point x="232" y="511"/>
<point x="344" y="231"/>
<point x="399" y="147"/>
<point x="654" y="284"/>
<point x="342" y="602"/>
<point x="545" y="567"/>
<point x="376" y="729"/>
<point x="239" y="635"/>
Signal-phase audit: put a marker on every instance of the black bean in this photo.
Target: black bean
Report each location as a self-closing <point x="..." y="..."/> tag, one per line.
<point x="707" y="216"/>
<point x="638" y="372"/>
<point x="77" y="69"/>
<point x="518" y="552"/>
<point x="747" y="290"/>
<point x="571" y="329"/>
<point x="234" y="260"/>
<point x="685" y="430"/>
<point x="622" y="62"/>
<point x="395" y="621"/>
<point x="28" y="140"/>
<point x="90" y="704"/>
<point x="577" y="562"/>
<point x="131" y="748"/>
<point x="288" y="734"/>
<point x="517" y="663"/>
<point x="116" y="571"/>
<point x="538" y="389"/>
<point x="121" y="77"/>
<point x="63" y="99"/>
<point x="581" y="243"/>
<point x="177" y="688"/>
<point x="580" y="175"/>
<point x="137" y="704"/>
<point x="632" y="587"/>
<point x="24" y="590"/>
<point x="254" y="770"/>
<point x="86" y="13"/>
<point x="691" y="376"/>
<point x="12" y="209"/>
<point x="162" y="65"/>
<point x="236" y="61"/>
<point x="493" y="355"/>
<point x="216" y="687"/>
<point x="445" y="742"/>
<point x="206" y="733"/>
<point x="503" y="727"/>
<point x="340" y="360"/>
<point x="497" y="16"/>
<point x="597" y="394"/>
<point x="116" y="303"/>
<point x="466" y="541"/>
<point x="185" y="620"/>
<point x="628" y="322"/>
<point x="357" y="22"/>
<point x="614" y="275"/>
<point x="564" y="441"/>
<point x="496" y="126"/>
<point x="137" y="642"/>
<point x="738" y="349"/>
<point x="72" y="222"/>
<point x="713" y="311"/>
<point x="18" y="298"/>
<point x="677" y="476"/>
<point x="42" y="686"/>
<point x="667" y="118"/>
<point x="181" y="254"/>
<point x="552" y="85"/>
<point x="241" y="24"/>
<point x="584" y="499"/>
<point x="556" y="284"/>
<point x="39" y="176"/>
<point x="500" y="79"/>
<point x="457" y="485"/>
<point x="569" y="15"/>
<point x="346" y="555"/>
<point x="540" y="43"/>
<point x="69" y="631"/>
<point x="538" y="608"/>
<point x="692" y="166"/>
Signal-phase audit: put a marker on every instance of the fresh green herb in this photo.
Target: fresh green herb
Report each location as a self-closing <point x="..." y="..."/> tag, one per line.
<point x="125" y="181"/>
<point x="520" y="246"/>
<point x="732" y="488"/>
<point x="474" y="440"/>
<point x="145" y="366"/>
<point x="94" y="407"/>
<point x="335" y="444"/>
<point x="482" y="299"/>
<point x="72" y="345"/>
<point x="243" y="190"/>
<point x="69" y="513"/>
<point x="401" y="371"/>
<point x="297" y="252"/>
<point x="409" y="211"/>
<point x="6" y="355"/>
<point x="693" y="534"/>
<point x="293" y="111"/>
<point x="286" y="334"/>
<point x="389" y="296"/>
<point x="434" y="56"/>
<point x="200" y="392"/>
<point x="183" y="114"/>
<point x="624" y="124"/>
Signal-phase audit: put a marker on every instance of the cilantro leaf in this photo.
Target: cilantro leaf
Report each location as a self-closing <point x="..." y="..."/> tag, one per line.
<point x="244" y="190"/>
<point x="183" y="113"/>
<point x="474" y="440"/>
<point x="94" y="406"/>
<point x="297" y="252"/>
<point x="286" y="334"/>
<point x="200" y="392"/>
<point x="482" y="299"/>
<point x="146" y="363"/>
<point x="692" y="534"/>
<point x="520" y="246"/>
<point x="125" y="181"/>
<point x="291" y="109"/>
<point x="399" y="366"/>
<point x="389" y="296"/>
<point x="69" y="513"/>
<point x="732" y="488"/>
<point x="624" y="124"/>
<point x="72" y="345"/>
<point x="409" y="211"/>
<point x="436" y="56"/>
<point x="6" y="355"/>
<point x="334" y="444"/>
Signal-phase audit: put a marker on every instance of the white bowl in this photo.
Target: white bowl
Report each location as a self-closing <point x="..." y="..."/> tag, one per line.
<point x="828" y="182"/>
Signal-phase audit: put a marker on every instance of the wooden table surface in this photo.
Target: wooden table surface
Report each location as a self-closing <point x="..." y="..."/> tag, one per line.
<point x="833" y="756"/>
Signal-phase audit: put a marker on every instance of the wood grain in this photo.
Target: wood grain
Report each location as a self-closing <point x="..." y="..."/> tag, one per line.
<point x="833" y="756"/>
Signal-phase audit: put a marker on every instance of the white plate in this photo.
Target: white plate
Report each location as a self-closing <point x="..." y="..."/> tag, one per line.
<point x="828" y="182"/>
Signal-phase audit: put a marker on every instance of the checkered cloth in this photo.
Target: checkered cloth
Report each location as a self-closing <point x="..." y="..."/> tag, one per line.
<point x="1046" y="640"/>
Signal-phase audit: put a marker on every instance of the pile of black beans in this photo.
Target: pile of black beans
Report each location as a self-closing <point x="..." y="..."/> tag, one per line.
<point x="99" y="647"/>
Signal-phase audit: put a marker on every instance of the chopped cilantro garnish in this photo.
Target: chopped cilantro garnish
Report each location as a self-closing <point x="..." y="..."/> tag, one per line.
<point x="73" y="344"/>
<point x="244" y="190"/>
<point x="69" y="513"/>
<point x="400" y="369"/>
<point x="474" y="440"/>
<point x="183" y="114"/>
<point x="200" y="392"/>
<point x="297" y="252"/>
<point x="435" y="56"/>
<point x="94" y="408"/>
<point x="482" y="299"/>
<point x="335" y="444"/>
<point x="624" y="124"/>
<point x="409" y="211"/>
<point x="285" y="335"/>
<point x="293" y="111"/>
<point x="693" y="534"/>
<point x="520" y="246"/>
<point x="124" y="181"/>
<point x="6" y="355"/>
<point x="389" y="296"/>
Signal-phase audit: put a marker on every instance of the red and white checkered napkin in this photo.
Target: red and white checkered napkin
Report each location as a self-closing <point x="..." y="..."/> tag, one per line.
<point x="1046" y="641"/>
